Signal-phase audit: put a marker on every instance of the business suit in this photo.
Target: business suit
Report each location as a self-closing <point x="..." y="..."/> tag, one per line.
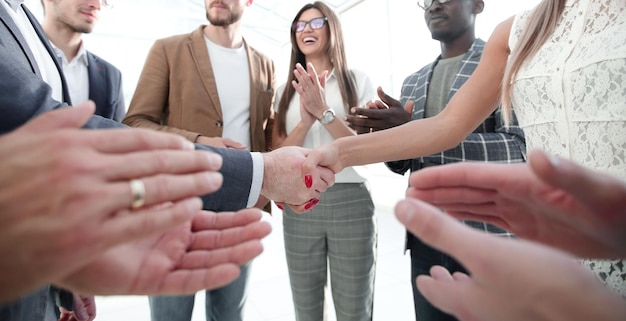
<point x="24" y="95"/>
<point x="491" y="141"/>
<point x="177" y="91"/>
<point x="105" y="88"/>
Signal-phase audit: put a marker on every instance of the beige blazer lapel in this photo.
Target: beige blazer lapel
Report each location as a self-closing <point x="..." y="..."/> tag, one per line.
<point x="254" y="61"/>
<point x="200" y="55"/>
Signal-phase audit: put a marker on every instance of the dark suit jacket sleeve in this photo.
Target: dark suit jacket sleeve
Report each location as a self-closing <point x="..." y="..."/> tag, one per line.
<point x="237" y="170"/>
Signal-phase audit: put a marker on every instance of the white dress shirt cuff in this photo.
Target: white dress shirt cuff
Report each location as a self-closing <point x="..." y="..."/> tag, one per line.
<point x="257" y="178"/>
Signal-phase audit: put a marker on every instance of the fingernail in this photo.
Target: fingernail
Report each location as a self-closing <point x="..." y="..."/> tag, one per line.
<point x="404" y="211"/>
<point x="554" y="160"/>
<point x="310" y="204"/>
<point x="308" y="181"/>
<point x="280" y="205"/>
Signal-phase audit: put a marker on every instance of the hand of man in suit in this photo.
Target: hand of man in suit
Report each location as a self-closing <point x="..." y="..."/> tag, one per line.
<point x="66" y="198"/>
<point x="380" y="114"/>
<point x="284" y="181"/>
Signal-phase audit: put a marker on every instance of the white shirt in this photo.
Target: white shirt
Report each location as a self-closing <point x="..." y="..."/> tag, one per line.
<point x="318" y="135"/>
<point x="76" y="73"/>
<point x="232" y="78"/>
<point x="46" y="65"/>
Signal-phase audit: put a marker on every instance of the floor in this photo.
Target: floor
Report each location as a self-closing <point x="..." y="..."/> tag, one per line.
<point x="269" y="292"/>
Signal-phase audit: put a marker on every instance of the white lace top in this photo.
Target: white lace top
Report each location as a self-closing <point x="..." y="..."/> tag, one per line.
<point x="570" y="99"/>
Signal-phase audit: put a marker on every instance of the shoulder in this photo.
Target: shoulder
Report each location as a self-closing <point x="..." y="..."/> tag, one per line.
<point x="102" y="63"/>
<point x="359" y="74"/>
<point x="412" y="78"/>
<point x="279" y="94"/>
<point x="499" y="39"/>
<point x="518" y="24"/>
<point x="177" y="39"/>
<point x="362" y="79"/>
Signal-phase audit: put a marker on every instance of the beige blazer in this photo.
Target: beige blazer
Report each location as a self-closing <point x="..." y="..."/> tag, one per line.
<point x="177" y="93"/>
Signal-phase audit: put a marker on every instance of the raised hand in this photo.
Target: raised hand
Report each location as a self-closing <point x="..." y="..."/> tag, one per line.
<point x="379" y="115"/>
<point x="310" y="87"/>
<point x="509" y="279"/>
<point x="548" y="200"/>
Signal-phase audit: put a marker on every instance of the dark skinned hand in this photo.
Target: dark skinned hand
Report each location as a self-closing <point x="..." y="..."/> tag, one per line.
<point x="380" y="114"/>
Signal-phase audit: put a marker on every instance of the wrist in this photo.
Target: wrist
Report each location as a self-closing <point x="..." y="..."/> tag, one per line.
<point x="328" y="116"/>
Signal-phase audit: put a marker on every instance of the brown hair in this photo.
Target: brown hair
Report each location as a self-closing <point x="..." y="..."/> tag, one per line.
<point x="335" y="50"/>
<point x="540" y="26"/>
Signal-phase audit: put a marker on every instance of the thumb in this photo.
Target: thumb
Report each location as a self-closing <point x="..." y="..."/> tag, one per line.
<point x="586" y="185"/>
<point x="322" y="78"/>
<point x="390" y="101"/>
<point x="409" y="107"/>
<point x="64" y="118"/>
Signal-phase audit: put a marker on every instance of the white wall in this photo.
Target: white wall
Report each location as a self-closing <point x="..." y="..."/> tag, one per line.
<point x="386" y="38"/>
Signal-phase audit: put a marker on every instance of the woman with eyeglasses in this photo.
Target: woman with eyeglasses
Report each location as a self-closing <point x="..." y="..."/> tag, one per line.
<point x="562" y="68"/>
<point x="340" y="231"/>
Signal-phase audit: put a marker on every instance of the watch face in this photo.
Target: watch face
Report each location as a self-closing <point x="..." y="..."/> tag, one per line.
<point x="328" y="116"/>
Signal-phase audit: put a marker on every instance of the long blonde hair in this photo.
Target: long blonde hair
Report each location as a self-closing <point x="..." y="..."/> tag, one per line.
<point x="541" y="24"/>
<point x="337" y="53"/>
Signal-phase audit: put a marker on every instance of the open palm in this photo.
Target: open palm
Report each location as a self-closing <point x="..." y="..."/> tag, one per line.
<point x="204" y="254"/>
<point x="562" y="205"/>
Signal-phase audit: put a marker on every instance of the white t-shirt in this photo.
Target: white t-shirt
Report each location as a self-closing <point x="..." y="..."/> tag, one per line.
<point x="232" y="78"/>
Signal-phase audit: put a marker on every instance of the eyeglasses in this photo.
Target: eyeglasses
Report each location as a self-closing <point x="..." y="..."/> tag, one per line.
<point x="316" y="23"/>
<point x="426" y="4"/>
<point x="107" y="4"/>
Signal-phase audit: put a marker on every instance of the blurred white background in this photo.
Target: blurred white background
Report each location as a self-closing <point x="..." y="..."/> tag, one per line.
<point x="387" y="39"/>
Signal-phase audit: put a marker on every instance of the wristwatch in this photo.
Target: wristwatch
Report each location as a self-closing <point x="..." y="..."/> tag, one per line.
<point x="327" y="117"/>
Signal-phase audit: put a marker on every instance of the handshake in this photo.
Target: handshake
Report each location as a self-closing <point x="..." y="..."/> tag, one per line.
<point x="77" y="204"/>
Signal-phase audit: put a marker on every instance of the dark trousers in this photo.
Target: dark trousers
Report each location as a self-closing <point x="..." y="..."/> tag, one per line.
<point x="36" y="306"/>
<point x="423" y="257"/>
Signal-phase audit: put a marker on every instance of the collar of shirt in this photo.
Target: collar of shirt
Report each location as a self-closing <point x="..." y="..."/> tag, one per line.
<point x="14" y="4"/>
<point x="330" y="74"/>
<point x="81" y="56"/>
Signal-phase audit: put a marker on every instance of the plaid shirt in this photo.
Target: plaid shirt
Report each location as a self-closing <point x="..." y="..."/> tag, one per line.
<point x="492" y="141"/>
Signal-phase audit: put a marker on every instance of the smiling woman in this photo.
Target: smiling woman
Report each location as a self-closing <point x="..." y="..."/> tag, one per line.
<point x="340" y="232"/>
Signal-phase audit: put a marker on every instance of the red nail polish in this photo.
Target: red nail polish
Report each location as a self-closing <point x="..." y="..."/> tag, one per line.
<point x="280" y="205"/>
<point x="308" y="181"/>
<point x="311" y="203"/>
